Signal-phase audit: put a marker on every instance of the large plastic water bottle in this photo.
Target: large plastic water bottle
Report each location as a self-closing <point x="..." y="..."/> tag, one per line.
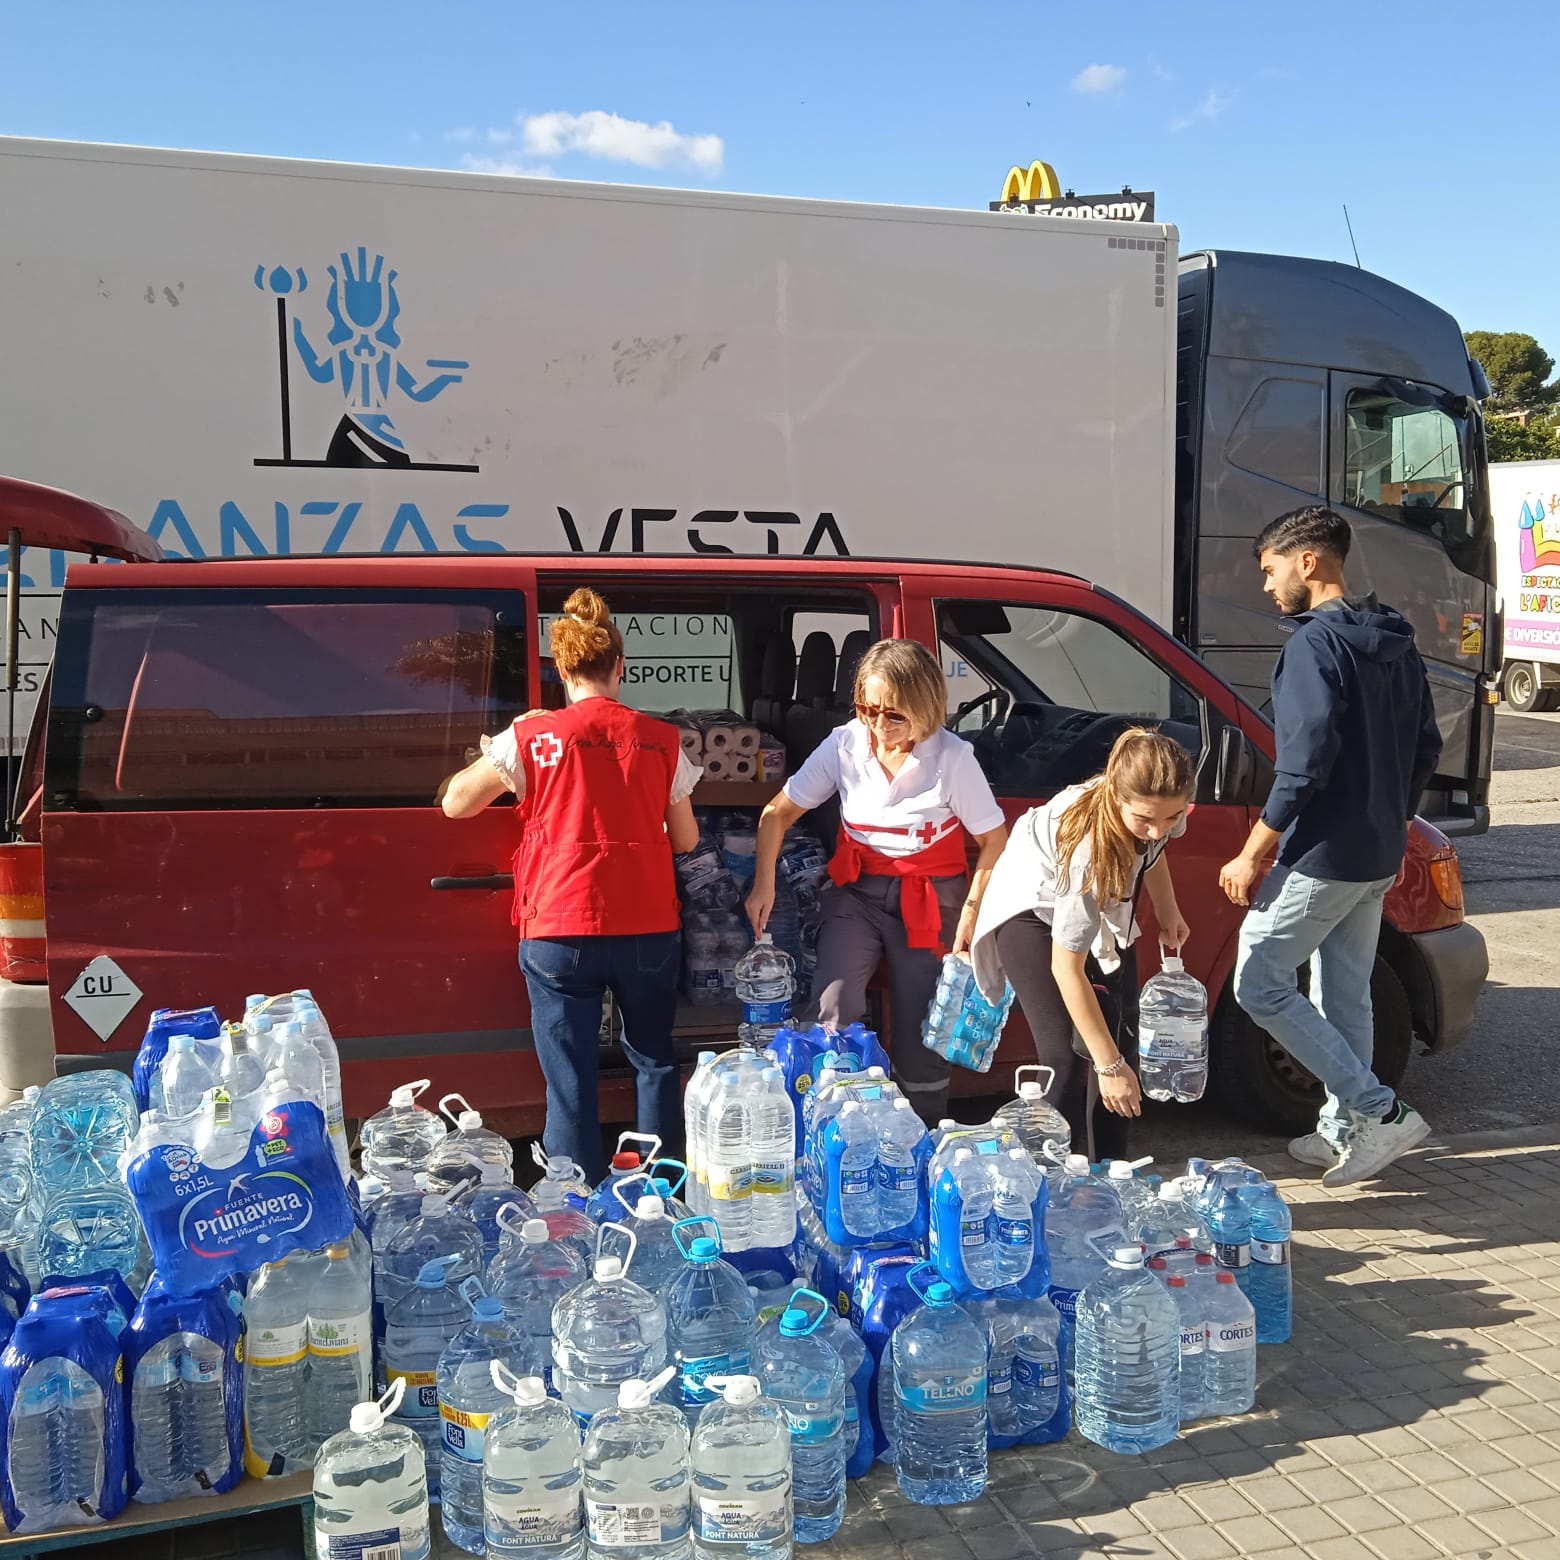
<point x="901" y="1151"/>
<point x="1033" y="1120"/>
<point x="766" y="984"/>
<point x="1229" y="1222"/>
<point x="91" y="1229"/>
<point x="1017" y="1181"/>
<point x="604" y="1204"/>
<point x="1173" y="1033"/>
<point x="960" y="1024"/>
<point x="468" y="1397"/>
<point x="710" y="1318"/>
<point x="530" y="1277"/>
<point x="858" y="1183"/>
<point x="306" y="1012"/>
<point x="1037" y="1359"/>
<point x="1230" y="1372"/>
<point x="606" y="1332"/>
<point x="459" y="1157"/>
<point x="657" y="1258"/>
<point x="801" y="1371"/>
<point x="441" y="1231"/>
<point x="531" y="1475"/>
<point x="1270" y="1279"/>
<point x="296" y="1059"/>
<point x="180" y="1085"/>
<point x="1194" y="1345"/>
<point x="1136" y="1193"/>
<point x="418" y="1329"/>
<point x="341" y="1336"/>
<point x="1167" y="1221"/>
<point x="635" y="1461"/>
<point x="1079" y="1226"/>
<point x="772" y="1123"/>
<point x="371" y="1488"/>
<point x="562" y="1185"/>
<point x="483" y="1203"/>
<point x="696" y="1100"/>
<point x="80" y="1126"/>
<point x="740" y="1464"/>
<point x="276" y="1345"/>
<point x="202" y="1023"/>
<point x="403" y="1135"/>
<point x="1127" y="1357"/>
<point x="939" y="1360"/>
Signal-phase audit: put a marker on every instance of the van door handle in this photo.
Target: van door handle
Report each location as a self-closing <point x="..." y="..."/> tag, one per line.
<point x="490" y="880"/>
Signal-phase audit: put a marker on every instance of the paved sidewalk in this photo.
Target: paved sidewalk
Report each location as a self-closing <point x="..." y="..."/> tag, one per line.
<point x="1415" y="1414"/>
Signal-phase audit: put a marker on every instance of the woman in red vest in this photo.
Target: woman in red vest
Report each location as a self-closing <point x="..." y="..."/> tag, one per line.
<point x="909" y="789"/>
<point x="602" y="793"/>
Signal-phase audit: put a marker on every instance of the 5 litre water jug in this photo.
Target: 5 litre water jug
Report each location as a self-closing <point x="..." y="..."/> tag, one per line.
<point x="710" y="1318"/>
<point x="1127" y="1357"/>
<point x="531" y="1475"/>
<point x="766" y="983"/>
<point x="403" y="1135"/>
<point x="741" y="1473"/>
<point x="418" y="1329"/>
<point x="370" y="1488"/>
<point x="1034" y="1121"/>
<point x="459" y="1156"/>
<point x="1230" y="1370"/>
<point x="939" y="1361"/>
<point x="1173" y="1033"/>
<point x="1269" y="1280"/>
<point x="530" y="1277"/>
<point x="636" y="1476"/>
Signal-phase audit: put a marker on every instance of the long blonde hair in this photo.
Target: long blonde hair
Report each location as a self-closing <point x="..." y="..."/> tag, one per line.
<point x="1142" y="762"/>
<point x="586" y="643"/>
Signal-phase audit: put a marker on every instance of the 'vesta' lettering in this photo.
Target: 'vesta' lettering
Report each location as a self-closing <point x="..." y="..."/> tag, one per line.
<point x="708" y="524"/>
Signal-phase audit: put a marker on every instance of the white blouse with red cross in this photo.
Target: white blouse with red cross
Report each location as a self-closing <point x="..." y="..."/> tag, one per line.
<point x="939" y="786"/>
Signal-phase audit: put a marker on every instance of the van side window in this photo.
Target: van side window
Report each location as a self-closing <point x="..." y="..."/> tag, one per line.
<point x="243" y="698"/>
<point x="1042" y="694"/>
<point x="1404" y="461"/>
<point x="1279" y="435"/>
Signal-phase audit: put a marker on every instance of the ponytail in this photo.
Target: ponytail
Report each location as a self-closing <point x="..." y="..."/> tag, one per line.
<point x="586" y="643"/>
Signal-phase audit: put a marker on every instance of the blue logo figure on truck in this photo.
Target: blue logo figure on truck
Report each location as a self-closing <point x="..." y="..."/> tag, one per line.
<point x="362" y="355"/>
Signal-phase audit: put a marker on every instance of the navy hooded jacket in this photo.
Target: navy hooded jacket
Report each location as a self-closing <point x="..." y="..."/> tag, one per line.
<point x="1357" y="741"/>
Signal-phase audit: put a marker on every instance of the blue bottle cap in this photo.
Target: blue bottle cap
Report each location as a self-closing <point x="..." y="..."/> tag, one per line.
<point x="939" y="1294"/>
<point x="795" y="1323"/>
<point x="703" y="1248"/>
<point x="489" y="1308"/>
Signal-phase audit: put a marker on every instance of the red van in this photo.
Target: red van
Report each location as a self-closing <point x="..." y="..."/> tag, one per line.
<point x="233" y="783"/>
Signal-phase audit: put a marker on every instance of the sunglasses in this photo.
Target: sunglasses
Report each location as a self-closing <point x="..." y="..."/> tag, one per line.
<point x="872" y="714"/>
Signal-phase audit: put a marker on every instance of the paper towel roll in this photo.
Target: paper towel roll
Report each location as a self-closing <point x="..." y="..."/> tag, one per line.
<point x="720" y="739"/>
<point x="746" y="738"/>
<point x="717" y="766"/>
<point x="744" y="766"/>
<point x="692" y="743"/>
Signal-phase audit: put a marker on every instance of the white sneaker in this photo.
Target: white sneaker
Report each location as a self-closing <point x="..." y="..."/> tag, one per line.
<point x="1313" y="1149"/>
<point x="1372" y="1147"/>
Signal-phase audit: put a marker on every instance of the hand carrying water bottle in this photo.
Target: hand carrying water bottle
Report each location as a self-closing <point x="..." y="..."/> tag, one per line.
<point x="765" y="987"/>
<point x="1173" y="1033"/>
<point x="532" y="1478"/>
<point x="741" y="1473"/>
<point x="961" y="1025"/>
<point x="370" y="1488"/>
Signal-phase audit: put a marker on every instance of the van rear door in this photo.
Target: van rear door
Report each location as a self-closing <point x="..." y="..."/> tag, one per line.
<point x="241" y="767"/>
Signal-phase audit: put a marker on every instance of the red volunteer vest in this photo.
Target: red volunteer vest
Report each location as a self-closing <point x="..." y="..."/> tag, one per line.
<point x="594" y="859"/>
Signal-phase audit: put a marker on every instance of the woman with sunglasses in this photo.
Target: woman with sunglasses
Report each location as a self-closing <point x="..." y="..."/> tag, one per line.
<point x="1059" y="923"/>
<point x="909" y="790"/>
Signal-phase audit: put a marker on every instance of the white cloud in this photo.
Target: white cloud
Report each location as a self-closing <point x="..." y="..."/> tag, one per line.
<point x="615" y="139"/>
<point x="1099" y="78"/>
<point x="1213" y="103"/>
<point x="518" y="167"/>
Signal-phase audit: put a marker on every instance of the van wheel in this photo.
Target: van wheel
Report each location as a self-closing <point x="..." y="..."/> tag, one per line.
<point x="1254" y="1080"/>
<point x="1521" y="688"/>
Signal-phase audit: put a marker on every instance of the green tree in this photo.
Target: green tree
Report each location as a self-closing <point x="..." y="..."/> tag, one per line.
<point x="1518" y="370"/>
<point x="1509" y="439"/>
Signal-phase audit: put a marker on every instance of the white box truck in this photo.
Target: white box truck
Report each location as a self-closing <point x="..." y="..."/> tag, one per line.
<point x="256" y="356"/>
<point x="1525" y="505"/>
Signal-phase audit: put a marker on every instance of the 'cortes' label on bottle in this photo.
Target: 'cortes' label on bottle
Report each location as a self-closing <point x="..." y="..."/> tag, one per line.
<point x="464" y="1434"/>
<point x="340" y="1336"/>
<point x="763" y="1519"/>
<point x="972" y="1232"/>
<point x="612" y="1525"/>
<point x="1231" y="1337"/>
<point x="277" y="1345"/>
<point x="1015" y="1232"/>
<point x="1232" y="1254"/>
<point x="767" y="1012"/>
<point x="536" y="1516"/>
<point x="1273" y="1252"/>
<point x="944" y="1394"/>
<point x="1193" y="1339"/>
<point x="422" y="1393"/>
<point x="381" y="1544"/>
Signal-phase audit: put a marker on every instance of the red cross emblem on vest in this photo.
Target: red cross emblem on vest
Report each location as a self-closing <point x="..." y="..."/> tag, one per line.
<point x="924" y="833"/>
<point x="546" y="750"/>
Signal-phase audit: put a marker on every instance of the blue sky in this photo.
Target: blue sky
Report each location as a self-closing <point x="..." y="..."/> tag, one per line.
<point x="1253" y="122"/>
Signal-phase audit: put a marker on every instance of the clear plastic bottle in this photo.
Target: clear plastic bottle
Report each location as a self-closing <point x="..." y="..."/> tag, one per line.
<point x="1037" y="1359"/>
<point x="857" y="1365"/>
<point x="1166" y="1221"/>
<point x="483" y="1203"/>
<point x="371" y="1489"/>
<point x="1173" y="1033"/>
<point x="200" y="1023"/>
<point x="1078" y="1225"/>
<point x="696" y="1100"/>
<point x="530" y="1278"/>
<point x="1033" y="1120"/>
<point x="276" y="1345"/>
<point x="55" y="1448"/>
<point x="441" y="1231"/>
<point x="1017" y="1181"/>
<point x="562" y="1180"/>
<point x="710" y="1319"/>
<point x="1194" y="1345"/>
<point x="1229" y="1222"/>
<point x="180" y="1084"/>
<point x="727" y="1159"/>
<point x="801" y="1371"/>
<point x="469" y="1395"/>
<point x="858" y="1185"/>
<point x="459" y="1157"/>
<point x="306" y="1012"/>
<point x="939" y="1355"/>
<point x="741" y="1474"/>
<point x="635" y="1461"/>
<point x="418" y="1329"/>
<point x="1127" y="1357"/>
<point x="532" y="1478"/>
<point x="1230" y="1372"/>
<point x="341" y="1335"/>
<point x="766" y="984"/>
<point x="1137" y="1197"/>
<point x="606" y="1332"/>
<point x="88" y="1230"/>
<point x="901" y="1138"/>
<point x="1270" y="1280"/>
<point x="603" y="1205"/>
<point x="403" y="1135"/>
<point x="772" y="1123"/>
<point x="657" y="1258"/>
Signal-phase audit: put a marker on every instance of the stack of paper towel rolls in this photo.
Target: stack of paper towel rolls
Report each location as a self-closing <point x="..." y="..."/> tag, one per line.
<point x="727" y="748"/>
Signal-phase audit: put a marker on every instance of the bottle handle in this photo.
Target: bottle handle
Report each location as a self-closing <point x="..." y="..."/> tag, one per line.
<point x="618" y="1189"/>
<point x="417" y="1089"/>
<point x="391" y="1401"/>
<point x="471" y="1290"/>
<point x="510" y="1218"/>
<point x="915" y="1273"/>
<point x="539" y="1155"/>
<point x="677" y="1185"/>
<point x="445" y="1111"/>
<point x="698" y="1218"/>
<point x="824" y="1309"/>
<point x="1035" y="1067"/>
<point x="640" y="1137"/>
<point x="627" y="1234"/>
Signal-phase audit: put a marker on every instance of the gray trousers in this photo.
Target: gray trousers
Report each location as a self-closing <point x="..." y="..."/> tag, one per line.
<point x="861" y="927"/>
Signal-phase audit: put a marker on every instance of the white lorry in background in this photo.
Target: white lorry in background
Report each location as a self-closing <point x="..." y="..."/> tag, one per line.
<point x="1525" y="507"/>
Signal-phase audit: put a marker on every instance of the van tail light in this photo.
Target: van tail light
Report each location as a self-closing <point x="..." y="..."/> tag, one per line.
<point x="22" y="943"/>
<point x="1446" y="876"/>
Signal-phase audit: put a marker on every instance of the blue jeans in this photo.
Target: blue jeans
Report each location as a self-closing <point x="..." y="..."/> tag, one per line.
<point x="568" y="978"/>
<point x="1292" y="918"/>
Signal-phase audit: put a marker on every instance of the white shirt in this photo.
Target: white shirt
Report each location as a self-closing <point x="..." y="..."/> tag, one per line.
<point x="1025" y="878"/>
<point x="503" y="753"/>
<point x="939" y="786"/>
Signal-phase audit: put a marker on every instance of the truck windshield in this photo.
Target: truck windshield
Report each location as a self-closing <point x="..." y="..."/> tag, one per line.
<point x="1410" y="458"/>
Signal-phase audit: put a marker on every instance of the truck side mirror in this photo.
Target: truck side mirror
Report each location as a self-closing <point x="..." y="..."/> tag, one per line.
<point x="1235" y="777"/>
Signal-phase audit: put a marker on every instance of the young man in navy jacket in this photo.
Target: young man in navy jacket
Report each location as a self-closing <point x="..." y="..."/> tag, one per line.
<point x="1357" y="741"/>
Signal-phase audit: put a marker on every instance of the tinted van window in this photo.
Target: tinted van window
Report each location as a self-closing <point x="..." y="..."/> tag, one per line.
<point x="242" y="698"/>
